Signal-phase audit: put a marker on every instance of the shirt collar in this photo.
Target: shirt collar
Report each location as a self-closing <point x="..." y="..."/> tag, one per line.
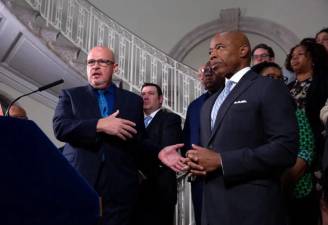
<point x="237" y="76"/>
<point x="110" y="90"/>
<point x="153" y="114"/>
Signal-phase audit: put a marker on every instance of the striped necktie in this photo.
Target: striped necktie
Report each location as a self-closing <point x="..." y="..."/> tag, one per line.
<point x="147" y="120"/>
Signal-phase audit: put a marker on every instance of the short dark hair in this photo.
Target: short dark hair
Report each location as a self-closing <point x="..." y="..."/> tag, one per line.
<point x="323" y="30"/>
<point x="308" y="39"/>
<point x="266" y="47"/>
<point x="158" y="88"/>
<point x="258" y="68"/>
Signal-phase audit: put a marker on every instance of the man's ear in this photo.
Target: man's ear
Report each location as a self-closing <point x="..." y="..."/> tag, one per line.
<point x="115" y="69"/>
<point x="161" y="99"/>
<point x="244" y="51"/>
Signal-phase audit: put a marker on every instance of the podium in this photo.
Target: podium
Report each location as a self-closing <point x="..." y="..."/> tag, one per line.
<point x="38" y="186"/>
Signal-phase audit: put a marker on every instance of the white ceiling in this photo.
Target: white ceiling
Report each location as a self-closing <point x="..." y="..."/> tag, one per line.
<point x="164" y="23"/>
<point x="26" y="63"/>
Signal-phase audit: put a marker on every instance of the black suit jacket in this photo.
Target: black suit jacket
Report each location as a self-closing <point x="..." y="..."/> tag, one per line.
<point x="158" y="193"/>
<point x="107" y="162"/>
<point x="256" y="134"/>
<point x="163" y="130"/>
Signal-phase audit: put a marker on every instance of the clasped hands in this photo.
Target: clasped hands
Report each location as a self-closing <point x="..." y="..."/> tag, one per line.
<point x="198" y="161"/>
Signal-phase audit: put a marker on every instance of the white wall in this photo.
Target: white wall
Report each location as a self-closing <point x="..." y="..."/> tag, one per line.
<point x="40" y="114"/>
<point x="164" y="23"/>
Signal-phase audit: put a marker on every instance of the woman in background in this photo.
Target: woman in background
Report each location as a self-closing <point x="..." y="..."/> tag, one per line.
<point x="308" y="61"/>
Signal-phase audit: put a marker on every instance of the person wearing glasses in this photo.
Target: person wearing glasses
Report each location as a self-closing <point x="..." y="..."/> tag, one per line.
<point x="102" y="127"/>
<point x="262" y="53"/>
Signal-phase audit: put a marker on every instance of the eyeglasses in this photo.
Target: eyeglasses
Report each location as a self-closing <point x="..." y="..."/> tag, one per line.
<point x="275" y="76"/>
<point x="262" y="56"/>
<point x="100" y="62"/>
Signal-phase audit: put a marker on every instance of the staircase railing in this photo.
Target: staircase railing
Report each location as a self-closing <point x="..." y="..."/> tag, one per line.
<point x="139" y="62"/>
<point x="86" y="26"/>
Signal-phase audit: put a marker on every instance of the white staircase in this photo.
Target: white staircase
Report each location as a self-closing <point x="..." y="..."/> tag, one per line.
<point x="71" y="27"/>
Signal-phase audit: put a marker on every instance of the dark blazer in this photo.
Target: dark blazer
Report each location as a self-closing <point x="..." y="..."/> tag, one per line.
<point x="191" y="126"/>
<point x="191" y="135"/>
<point x="256" y="134"/>
<point x="106" y="162"/>
<point x="158" y="193"/>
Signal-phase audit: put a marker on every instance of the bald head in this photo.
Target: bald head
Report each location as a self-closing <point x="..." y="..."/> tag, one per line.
<point x="229" y="52"/>
<point x="17" y="112"/>
<point x="100" y="67"/>
<point x="104" y="51"/>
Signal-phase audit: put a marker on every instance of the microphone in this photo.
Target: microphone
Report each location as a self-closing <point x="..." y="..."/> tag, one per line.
<point x="51" y="85"/>
<point x="47" y="86"/>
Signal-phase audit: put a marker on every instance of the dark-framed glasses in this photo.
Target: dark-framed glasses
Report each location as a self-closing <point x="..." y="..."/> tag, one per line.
<point x="100" y="62"/>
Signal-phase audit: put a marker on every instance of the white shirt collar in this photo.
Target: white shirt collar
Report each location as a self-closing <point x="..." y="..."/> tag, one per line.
<point x="153" y="114"/>
<point x="237" y="76"/>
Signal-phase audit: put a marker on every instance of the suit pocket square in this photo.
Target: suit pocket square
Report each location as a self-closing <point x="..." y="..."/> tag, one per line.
<point x="240" y="102"/>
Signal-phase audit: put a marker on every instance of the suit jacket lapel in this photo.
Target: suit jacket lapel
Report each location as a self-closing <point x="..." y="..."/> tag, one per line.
<point x="154" y="120"/>
<point x="240" y="87"/>
<point x="205" y="116"/>
<point x="118" y="104"/>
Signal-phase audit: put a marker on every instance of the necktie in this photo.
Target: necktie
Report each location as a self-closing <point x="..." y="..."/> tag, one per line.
<point x="220" y="99"/>
<point x="147" y="120"/>
<point x="103" y="105"/>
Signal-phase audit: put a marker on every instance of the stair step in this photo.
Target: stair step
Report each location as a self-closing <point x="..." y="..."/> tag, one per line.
<point x="48" y="34"/>
<point x="67" y="53"/>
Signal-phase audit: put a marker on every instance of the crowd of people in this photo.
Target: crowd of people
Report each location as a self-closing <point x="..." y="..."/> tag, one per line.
<point x="253" y="145"/>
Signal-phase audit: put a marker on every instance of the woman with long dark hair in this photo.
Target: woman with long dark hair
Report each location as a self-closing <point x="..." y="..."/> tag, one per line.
<point x="308" y="60"/>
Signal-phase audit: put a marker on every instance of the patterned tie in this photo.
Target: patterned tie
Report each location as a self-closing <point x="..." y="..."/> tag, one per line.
<point x="103" y="105"/>
<point x="219" y="100"/>
<point x="147" y="120"/>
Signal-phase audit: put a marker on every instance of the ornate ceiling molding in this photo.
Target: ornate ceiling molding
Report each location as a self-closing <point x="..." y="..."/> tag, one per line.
<point x="231" y="19"/>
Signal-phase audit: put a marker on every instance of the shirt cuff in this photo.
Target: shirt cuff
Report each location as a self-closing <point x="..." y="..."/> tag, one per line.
<point x="221" y="170"/>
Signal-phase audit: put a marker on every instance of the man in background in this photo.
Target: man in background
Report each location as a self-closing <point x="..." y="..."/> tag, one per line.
<point x="262" y="53"/>
<point x="191" y="129"/>
<point x="158" y="191"/>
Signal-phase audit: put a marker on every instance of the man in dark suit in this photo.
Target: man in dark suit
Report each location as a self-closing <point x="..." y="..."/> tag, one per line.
<point x="158" y="192"/>
<point x="249" y="136"/>
<point x="191" y="129"/>
<point x="102" y="126"/>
